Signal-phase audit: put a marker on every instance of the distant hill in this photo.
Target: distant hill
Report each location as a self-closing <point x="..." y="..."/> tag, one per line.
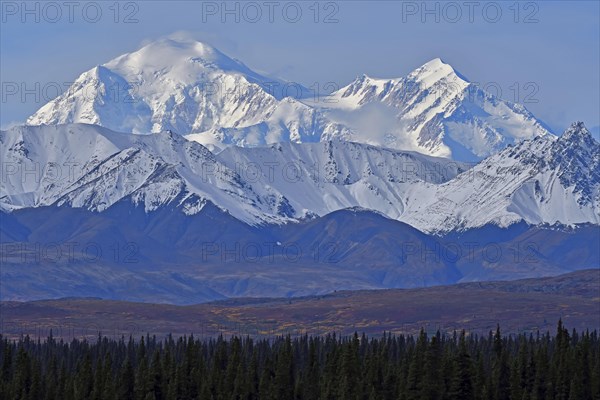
<point x="525" y="305"/>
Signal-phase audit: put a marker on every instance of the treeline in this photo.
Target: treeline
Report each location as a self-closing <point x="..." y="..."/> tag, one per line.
<point x="565" y="366"/>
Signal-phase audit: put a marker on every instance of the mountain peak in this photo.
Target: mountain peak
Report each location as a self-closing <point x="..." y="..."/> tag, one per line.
<point x="435" y="67"/>
<point x="436" y="63"/>
<point x="175" y="55"/>
<point x="178" y="84"/>
<point x="190" y="87"/>
<point x="182" y="44"/>
<point x="578" y="139"/>
<point x="436" y="70"/>
<point x="577" y="130"/>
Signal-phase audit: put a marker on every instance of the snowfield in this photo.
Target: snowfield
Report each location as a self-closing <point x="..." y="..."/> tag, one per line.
<point x="193" y="89"/>
<point x="546" y="180"/>
<point x="402" y="147"/>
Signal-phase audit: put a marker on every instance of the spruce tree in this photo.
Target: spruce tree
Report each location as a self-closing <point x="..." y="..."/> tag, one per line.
<point x="462" y="386"/>
<point x="126" y="388"/>
<point x="432" y="389"/>
<point x="501" y="369"/>
<point x="284" y="381"/>
<point x="414" y="385"/>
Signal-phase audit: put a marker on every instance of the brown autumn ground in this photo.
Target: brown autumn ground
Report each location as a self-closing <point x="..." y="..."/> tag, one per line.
<point x="525" y="305"/>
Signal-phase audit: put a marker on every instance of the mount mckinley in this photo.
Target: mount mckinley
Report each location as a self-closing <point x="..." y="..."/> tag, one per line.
<point x="208" y="176"/>
<point x="193" y="89"/>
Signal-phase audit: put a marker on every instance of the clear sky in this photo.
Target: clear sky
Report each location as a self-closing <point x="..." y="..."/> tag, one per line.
<point x="545" y="54"/>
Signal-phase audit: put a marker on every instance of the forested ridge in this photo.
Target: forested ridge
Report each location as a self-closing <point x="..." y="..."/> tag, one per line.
<point x="560" y="366"/>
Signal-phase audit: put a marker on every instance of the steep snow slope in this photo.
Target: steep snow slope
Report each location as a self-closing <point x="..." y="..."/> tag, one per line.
<point x="187" y="87"/>
<point x="436" y="111"/>
<point x="193" y="89"/>
<point x="88" y="166"/>
<point x="546" y="180"/>
<point x="91" y="167"/>
<point x="318" y="178"/>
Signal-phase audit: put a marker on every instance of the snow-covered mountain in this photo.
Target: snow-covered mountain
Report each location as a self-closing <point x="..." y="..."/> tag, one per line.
<point x="193" y="89"/>
<point x="545" y="180"/>
<point x="92" y="167"/>
<point x="178" y="223"/>
<point x="436" y="111"/>
<point x="177" y="146"/>
<point x="187" y="87"/>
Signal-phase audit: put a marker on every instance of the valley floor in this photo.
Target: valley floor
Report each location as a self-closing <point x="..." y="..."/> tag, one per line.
<point x="519" y="306"/>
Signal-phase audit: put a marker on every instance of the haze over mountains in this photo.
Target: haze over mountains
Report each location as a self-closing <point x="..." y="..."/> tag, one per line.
<point x="119" y="158"/>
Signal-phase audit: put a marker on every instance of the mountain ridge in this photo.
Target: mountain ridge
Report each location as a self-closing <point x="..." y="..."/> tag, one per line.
<point x="546" y="180"/>
<point x="194" y="89"/>
<point x="442" y="113"/>
<point x="210" y="255"/>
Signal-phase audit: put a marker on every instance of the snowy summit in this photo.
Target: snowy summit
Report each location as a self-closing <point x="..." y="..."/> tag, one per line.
<point x="193" y="89"/>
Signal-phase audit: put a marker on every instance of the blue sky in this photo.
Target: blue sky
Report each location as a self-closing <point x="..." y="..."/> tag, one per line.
<point x="545" y="54"/>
